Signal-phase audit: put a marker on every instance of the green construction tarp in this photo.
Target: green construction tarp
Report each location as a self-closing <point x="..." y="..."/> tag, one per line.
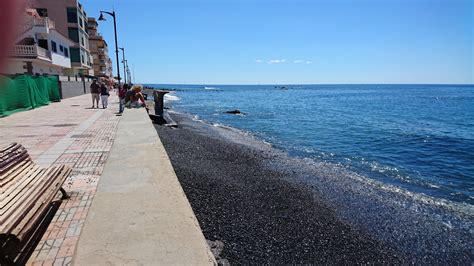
<point x="27" y="92"/>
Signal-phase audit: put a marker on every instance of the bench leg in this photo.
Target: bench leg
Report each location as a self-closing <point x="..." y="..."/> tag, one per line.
<point x="65" y="195"/>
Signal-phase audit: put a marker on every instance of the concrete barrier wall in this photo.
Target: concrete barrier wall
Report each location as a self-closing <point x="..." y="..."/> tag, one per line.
<point x="74" y="88"/>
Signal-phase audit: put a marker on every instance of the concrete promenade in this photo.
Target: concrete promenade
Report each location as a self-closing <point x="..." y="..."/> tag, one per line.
<point x="154" y="223"/>
<point x="68" y="133"/>
<point x="71" y="133"/>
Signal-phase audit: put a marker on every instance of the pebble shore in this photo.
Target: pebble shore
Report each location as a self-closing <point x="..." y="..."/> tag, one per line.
<point x="253" y="210"/>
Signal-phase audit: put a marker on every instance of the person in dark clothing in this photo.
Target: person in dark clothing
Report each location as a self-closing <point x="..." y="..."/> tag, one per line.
<point x="122" y="92"/>
<point x="95" y="93"/>
<point x="104" y="95"/>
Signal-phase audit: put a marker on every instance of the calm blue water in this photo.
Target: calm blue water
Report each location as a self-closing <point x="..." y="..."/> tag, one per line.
<point x="418" y="137"/>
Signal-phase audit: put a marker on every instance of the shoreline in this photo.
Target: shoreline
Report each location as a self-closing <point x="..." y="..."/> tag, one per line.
<point x="258" y="215"/>
<point x="229" y="164"/>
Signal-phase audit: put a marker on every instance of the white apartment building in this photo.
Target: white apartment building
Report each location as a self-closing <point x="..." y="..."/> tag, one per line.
<point x="39" y="48"/>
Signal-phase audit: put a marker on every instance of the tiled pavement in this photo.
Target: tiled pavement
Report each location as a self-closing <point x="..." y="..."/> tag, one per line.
<point x="68" y="133"/>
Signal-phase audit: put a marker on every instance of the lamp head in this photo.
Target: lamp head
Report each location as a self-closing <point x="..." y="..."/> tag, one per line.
<point x="101" y="17"/>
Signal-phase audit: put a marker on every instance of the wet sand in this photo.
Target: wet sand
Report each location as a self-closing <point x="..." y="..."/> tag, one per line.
<point x="254" y="210"/>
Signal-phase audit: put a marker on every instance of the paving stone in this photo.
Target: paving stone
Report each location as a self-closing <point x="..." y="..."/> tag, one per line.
<point x="78" y="137"/>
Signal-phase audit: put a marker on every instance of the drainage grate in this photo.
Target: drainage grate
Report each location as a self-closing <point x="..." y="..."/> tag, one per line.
<point x="82" y="136"/>
<point x="75" y="105"/>
<point x="27" y="136"/>
<point x="64" y="125"/>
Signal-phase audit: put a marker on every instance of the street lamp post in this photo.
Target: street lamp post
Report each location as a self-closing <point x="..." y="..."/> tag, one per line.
<point x="123" y="62"/>
<point x="101" y="18"/>
<point x="128" y="73"/>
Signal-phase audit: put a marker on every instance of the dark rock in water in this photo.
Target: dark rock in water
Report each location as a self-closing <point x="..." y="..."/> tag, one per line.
<point x="235" y="112"/>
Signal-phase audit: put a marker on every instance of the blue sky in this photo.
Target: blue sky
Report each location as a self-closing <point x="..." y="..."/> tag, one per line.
<point x="293" y="41"/>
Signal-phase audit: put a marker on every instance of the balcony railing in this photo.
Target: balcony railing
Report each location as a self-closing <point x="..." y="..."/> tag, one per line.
<point x="31" y="51"/>
<point x="30" y="22"/>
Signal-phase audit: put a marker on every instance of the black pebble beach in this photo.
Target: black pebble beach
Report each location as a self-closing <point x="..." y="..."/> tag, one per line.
<point x="259" y="216"/>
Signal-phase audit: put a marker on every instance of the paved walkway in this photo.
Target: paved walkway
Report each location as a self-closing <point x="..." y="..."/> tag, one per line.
<point x="153" y="222"/>
<point x="68" y="133"/>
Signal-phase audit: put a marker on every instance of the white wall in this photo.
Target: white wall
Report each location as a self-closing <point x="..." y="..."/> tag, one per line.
<point x="58" y="57"/>
<point x="60" y="60"/>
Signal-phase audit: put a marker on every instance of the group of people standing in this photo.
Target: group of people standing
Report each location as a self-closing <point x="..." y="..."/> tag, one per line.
<point x="99" y="90"/>
<point x="130" y="96"/>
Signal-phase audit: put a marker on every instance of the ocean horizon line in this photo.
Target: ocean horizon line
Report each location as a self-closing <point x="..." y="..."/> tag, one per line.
<point x="311" y="84"/>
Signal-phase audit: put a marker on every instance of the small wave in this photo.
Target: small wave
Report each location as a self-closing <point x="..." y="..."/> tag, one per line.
<point x="219" y="125"/>
<point x="171" y="98"/>
<point x="433" y="186"/>
<point x="196" y="118"/>
<point x="232" y="129"/>
<point x="212" y="88"/>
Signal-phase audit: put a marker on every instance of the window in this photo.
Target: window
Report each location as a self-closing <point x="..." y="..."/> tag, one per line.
<point x="75" y="55"/>
<point x="81" y="22"/>
<point x="73" y="34"/>
<point x="82" y="58"/>
<point x="42" y="12"/>
<point x="82" y="41"/>
<point x="71" y="15"/>
<point x="54" y="48"/>
<point x="61" y="48"/>
<point x="66" y="52"/>
<point x="43" y="43"/>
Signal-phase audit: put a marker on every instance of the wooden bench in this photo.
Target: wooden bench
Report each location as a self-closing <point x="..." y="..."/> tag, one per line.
<point x="26" y="194"/>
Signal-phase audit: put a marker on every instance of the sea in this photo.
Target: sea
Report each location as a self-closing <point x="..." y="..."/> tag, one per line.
<point x="417" y="137"/>
<point x="415" y="141"/>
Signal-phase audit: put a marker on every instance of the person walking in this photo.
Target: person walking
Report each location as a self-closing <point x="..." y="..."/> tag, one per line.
<point x="95" y="93"/>
<point x="104" y="95"/>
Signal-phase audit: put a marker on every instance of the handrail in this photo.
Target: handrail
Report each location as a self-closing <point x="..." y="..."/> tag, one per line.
<point x="30" y="51"/>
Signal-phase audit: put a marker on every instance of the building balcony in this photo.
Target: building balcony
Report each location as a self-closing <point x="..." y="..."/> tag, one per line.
<point x="34" y="52"/>
<point x="44" y="22"/>
<point x="31" y="51"/>
<point x="32" y="22"/>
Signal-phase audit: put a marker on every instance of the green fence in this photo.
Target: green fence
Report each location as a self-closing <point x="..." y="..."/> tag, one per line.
<point x="27" y="92"/>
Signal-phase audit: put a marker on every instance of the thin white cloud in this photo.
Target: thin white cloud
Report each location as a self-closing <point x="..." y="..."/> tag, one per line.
<point x="276" y="61"/>
<point x="280" y="61"/>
